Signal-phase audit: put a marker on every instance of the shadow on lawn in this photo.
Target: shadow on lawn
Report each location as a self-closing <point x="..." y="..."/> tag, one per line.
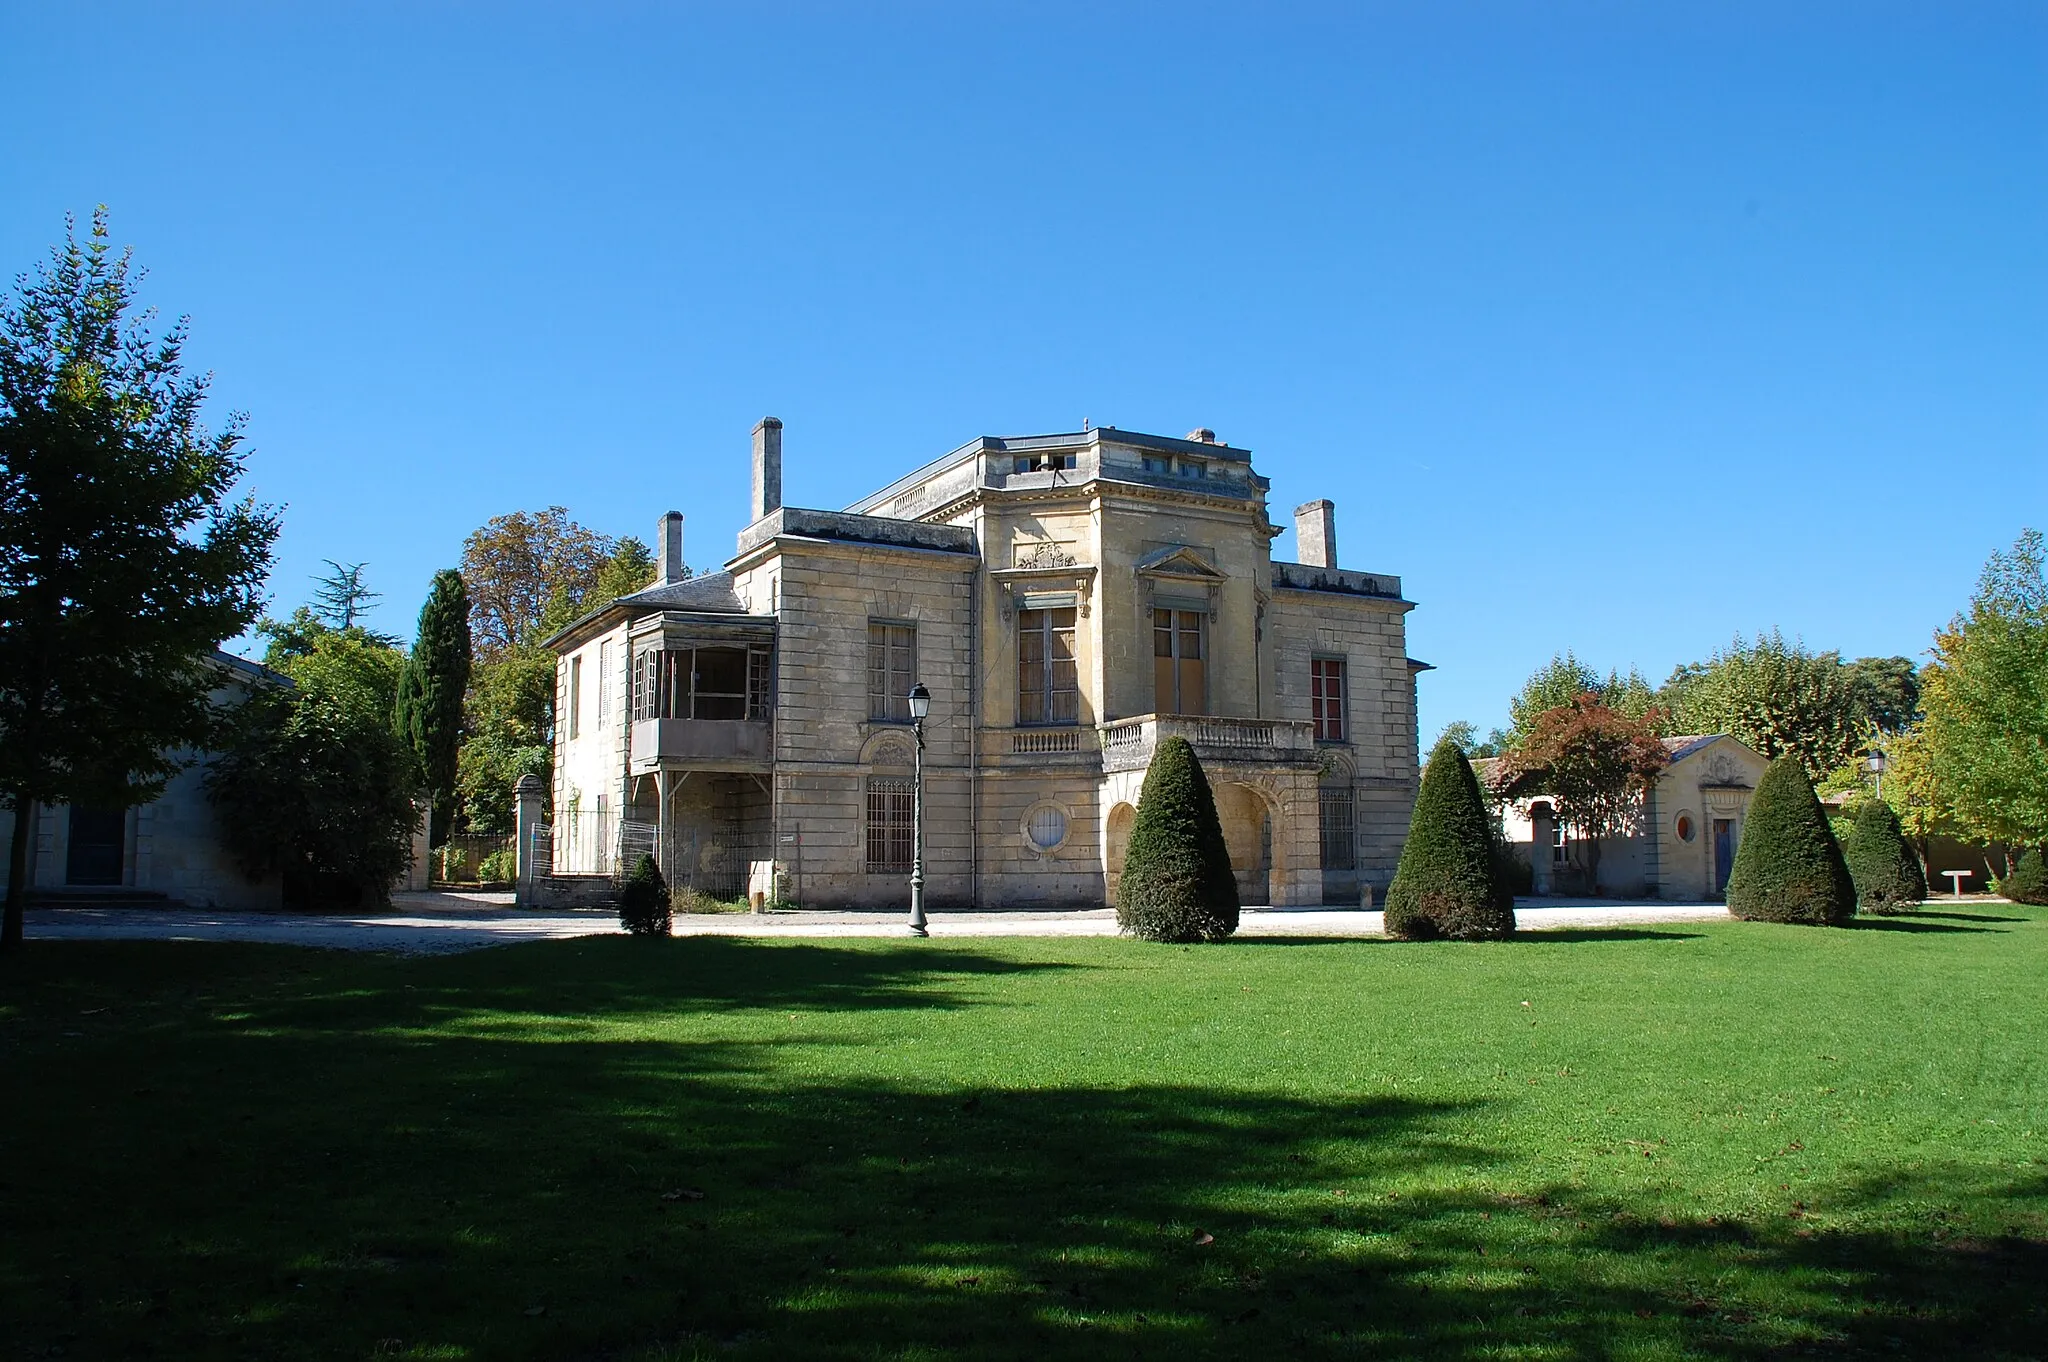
<point x="1907" y="924"/>
<point x="325" y="1177"/>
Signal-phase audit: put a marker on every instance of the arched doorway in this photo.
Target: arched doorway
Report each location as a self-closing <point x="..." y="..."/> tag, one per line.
<point x="1116" y="842"/>
<point x="1248" y="819"/>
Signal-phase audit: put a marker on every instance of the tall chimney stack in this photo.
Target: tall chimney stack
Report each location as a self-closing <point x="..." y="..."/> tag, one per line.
<point x="671" y="542"/>
<point x="767" y="466"/>
<point x="1315" y="533"/>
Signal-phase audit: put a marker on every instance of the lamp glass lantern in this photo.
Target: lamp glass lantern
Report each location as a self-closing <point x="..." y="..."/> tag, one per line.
<point x="1876" y="761"/>
<point x="920" y="702"/>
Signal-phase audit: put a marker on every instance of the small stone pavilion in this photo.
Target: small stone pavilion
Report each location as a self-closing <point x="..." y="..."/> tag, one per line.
<point x="1069" y="600"/>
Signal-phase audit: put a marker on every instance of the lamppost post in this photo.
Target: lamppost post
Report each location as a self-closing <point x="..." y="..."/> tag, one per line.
<point x="920" y="705"/>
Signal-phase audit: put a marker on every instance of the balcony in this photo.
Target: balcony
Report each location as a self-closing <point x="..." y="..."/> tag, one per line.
<point x="1127" y="744"/>
<point x="708" y="744"/>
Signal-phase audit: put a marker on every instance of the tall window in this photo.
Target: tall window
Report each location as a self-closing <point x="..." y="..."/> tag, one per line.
<point x="575" y="696"/>
<point x="604" y="683"/>
<point x="1340" y="829"/>
<point x="889" y="814"/>
<point x="702" y="683"/>
<point x="1048" y="686"/>
<point x="1179" y="679"/>
<point x="892" y="670"/>
<point x="1326" y="697"/>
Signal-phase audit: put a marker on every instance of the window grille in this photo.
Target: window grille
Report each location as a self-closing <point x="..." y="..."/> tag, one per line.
<point x="1326" y="697"/>
<point x="892" y="670"/>
<point x="889" y="824"/>
<point x="1339" y="830"/>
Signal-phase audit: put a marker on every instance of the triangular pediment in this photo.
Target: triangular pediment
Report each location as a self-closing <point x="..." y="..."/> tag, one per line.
<point x="1178" y="560"/>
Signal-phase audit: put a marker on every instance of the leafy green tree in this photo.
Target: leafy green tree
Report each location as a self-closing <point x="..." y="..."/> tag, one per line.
<point x="1597" y="765"/>
<point x="1558" y="682"/>
<point x="1780" y="698"/>
<point x="428" y="715"/>
<point x="509" y="721"/>
<point x="644" y="907"/>
<point x="515" y="565"/>
<point x="1888" y="875"/>
<point x="124" y="558"/>
<point x="631" y="568"/>
<point x="1448" y="884"/>
<point x="314" y="784"/>
<point x="1177" y="884"/>
<point x="1788" y="867"/>
<point x="1887" y="692"/>
<point x="1986" y="700"/>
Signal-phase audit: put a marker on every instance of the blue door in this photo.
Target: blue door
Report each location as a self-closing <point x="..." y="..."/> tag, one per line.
<point x="1724" y="852"/>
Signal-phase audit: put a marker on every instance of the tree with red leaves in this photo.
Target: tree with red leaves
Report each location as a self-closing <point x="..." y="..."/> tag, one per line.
<point x="1596" y="764"/>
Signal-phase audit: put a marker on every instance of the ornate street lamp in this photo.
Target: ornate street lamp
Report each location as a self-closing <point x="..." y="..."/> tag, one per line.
<point x="920" y="705"/>
<point x="1876" y="762"/>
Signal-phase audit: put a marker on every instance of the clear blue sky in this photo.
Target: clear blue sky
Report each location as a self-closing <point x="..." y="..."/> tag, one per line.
<point x="1618" y="327"/>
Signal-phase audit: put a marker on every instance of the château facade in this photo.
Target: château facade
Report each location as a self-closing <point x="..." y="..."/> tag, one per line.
<point x="1069" y="600"/>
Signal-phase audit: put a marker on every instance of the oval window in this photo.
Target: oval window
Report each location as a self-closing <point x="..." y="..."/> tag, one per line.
<point x="1685" y="827"/>
<point x="1048" y="828"/>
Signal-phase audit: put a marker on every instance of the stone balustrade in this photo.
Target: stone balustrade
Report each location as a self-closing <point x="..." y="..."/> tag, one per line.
<point x="1128" y="744"/>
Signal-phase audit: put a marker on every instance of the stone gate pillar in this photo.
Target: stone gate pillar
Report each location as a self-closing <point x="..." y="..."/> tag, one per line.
<point x="1542" y="833"/>
<point x="526" y="798"/>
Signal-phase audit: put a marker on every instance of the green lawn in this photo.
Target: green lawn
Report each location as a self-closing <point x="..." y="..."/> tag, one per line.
<point x="1699" y="1141"/>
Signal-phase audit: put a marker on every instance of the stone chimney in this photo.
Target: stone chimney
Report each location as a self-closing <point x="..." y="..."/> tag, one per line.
<point x="1315" y="534"/>
<point x="767" y="466"/>
<point x="671" y="542"/>
<point x="1202" y="435"/>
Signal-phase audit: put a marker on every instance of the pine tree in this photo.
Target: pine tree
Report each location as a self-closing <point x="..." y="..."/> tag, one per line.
<point x="125" y="555"/>
<point x="1447" y="885"/>
<point x="1789" y="868"/>
<point x="644" y="908"/>
<point x="1887" y="873"/>
<point x="428" y="715"/>
<point x="1177" y="884"/>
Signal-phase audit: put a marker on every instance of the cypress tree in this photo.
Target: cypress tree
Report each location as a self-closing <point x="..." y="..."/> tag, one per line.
<point x="644" y="908"/>
<point x="1177" y="884"/>
<point x="2028" y="882"/>
<point x="1789" y="867"/>
<point x="1887" y="873"/>
<point x="1448" y="884"/>
<point x="430" y="691"/>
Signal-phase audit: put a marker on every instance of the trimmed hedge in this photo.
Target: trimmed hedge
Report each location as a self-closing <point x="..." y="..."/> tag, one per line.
<point x="643" y="901"/>
<point x="1177" y="884"/>
<point x="1887" y="873"/>
<point x="1449" y="884"/>
<point x="1789" y="867"/>
<point x="2028" y="882"/>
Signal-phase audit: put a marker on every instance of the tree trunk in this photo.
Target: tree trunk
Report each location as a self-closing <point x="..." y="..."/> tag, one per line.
<point x="17" y="872"/>
<point x="1592" y="845"/>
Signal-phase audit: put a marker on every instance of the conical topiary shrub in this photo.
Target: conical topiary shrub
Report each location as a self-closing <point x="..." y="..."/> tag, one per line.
<point x="1788" y="868"/>
<point x="1887" y="873"/>
<point x="2028" y="882"/>
<point x="1177" y="884"/>
<point x="1448" y="884"/>
<point x="643" y="901"/>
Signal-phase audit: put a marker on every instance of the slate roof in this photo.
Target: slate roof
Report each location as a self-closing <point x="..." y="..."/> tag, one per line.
<point x="1682" y="747"/>
<point x="710" y="594"/>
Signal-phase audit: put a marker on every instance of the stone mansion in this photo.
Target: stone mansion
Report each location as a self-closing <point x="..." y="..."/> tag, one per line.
<point x="1069" y="600"/>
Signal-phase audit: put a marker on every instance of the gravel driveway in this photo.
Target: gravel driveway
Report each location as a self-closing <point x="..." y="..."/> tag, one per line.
<point x="420" y="924"/>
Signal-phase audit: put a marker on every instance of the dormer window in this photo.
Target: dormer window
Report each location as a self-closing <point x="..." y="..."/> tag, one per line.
<point x="1193" y="468"/>
<point x="1042" y="463"/>
<point x="1151" y="464"/>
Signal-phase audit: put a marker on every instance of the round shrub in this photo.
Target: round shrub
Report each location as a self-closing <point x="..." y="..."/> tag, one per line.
<point x="1177" y="884"/>
<point x="2028" y="882"/>
<point x="1887" y="873"/>
<point x="1789" y="867"/>
<point x="1449" y="884"/>
<point x="643" y="900"/>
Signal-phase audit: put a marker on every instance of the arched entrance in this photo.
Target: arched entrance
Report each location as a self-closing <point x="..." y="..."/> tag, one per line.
<point x="1248" y="816"/>
<point x="1116" y="843"/>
